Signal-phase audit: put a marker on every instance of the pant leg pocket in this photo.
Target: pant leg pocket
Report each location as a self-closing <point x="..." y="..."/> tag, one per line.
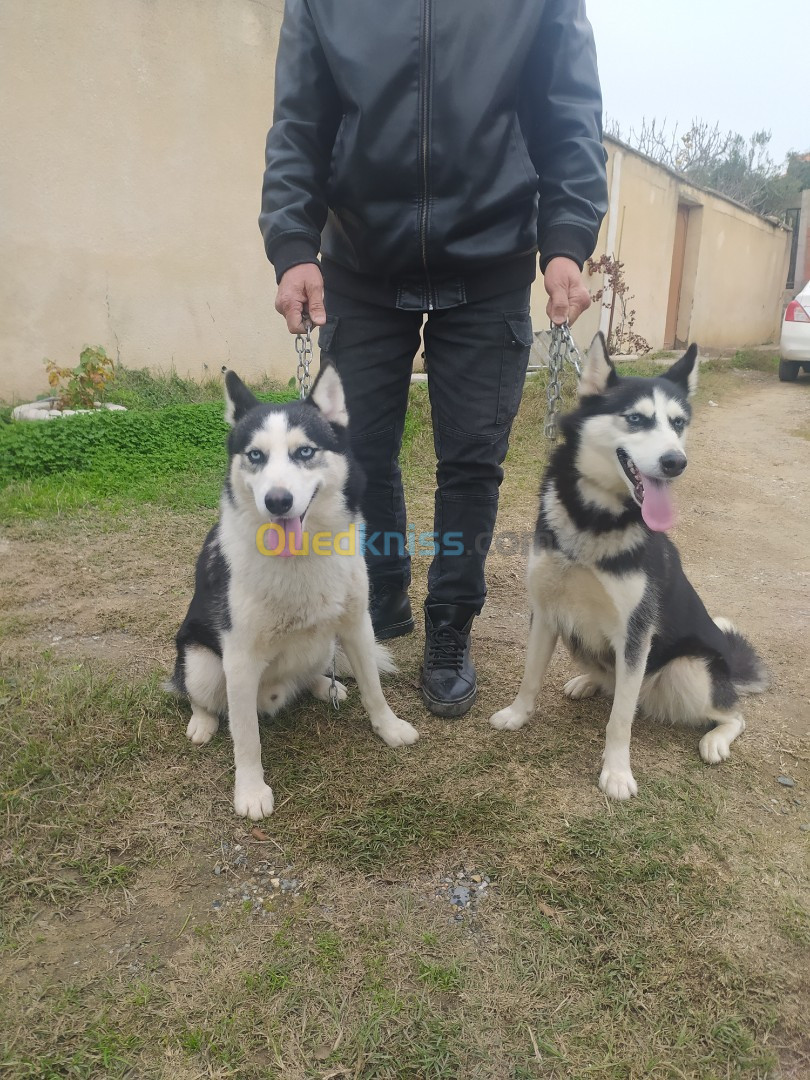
<point x="517" y="343"/>
<point x="327" y="334"/>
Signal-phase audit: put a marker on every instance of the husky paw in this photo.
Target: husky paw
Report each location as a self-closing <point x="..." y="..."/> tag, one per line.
<point x="509" y="719"/>
<point x="618" y="783"/>
<point x="322" y="686"/>
<point x="581" y="686"/>
<point x="201" y="727"/>
<point x="253" y="802"/>
<point x="396" y="732"/>
<point x="715" y="747"/>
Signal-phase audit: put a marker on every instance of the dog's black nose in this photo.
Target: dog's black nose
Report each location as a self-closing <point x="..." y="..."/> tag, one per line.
<point x="673" y="463"/>
<point x="278" y="501"/>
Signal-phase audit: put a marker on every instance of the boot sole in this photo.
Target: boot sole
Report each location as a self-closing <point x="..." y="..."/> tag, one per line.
<point x="396" y="630"/>
<point x="450" y="708"/>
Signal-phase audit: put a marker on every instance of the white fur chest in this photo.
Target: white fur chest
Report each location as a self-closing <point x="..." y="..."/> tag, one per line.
<point x="272" y="598"/>
<point x="580" y="601"/>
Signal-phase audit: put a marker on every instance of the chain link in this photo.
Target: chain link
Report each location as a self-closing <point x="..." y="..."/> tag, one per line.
<point x="562" y="349"/>
<point x="333" y="690"/>
<point x="303" y="347"/>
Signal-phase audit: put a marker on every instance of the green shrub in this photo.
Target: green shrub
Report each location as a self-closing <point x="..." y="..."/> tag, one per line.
<point x="174" y="455"/>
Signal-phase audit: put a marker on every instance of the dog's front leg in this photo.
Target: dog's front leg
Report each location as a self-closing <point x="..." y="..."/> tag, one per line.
<point x="542" y="639"/>
<point x="617" y="780"/>
<point x="252" y="797"/>
<point x="357" y="638"/>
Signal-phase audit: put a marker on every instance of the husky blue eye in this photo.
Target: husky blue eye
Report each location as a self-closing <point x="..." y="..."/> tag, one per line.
<point x="256" y="457"/>
<point x="634" y="418"/>
<point x="304" y="453"/>
<point x="678" y="424"/>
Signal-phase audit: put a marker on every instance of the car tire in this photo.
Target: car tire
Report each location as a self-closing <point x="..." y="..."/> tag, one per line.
<point x="788" y="370"/>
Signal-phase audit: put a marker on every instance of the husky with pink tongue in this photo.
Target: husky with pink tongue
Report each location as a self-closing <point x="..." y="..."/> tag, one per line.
<point x="281" y="582"/>
<point x="605" y="578"/>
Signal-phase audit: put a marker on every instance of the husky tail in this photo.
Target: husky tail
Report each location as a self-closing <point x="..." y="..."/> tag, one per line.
<point x="175" y="684"/>
<point x="748" y="673"/>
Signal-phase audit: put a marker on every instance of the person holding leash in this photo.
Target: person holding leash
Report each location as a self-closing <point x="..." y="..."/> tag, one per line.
<point x="427" y="151"/>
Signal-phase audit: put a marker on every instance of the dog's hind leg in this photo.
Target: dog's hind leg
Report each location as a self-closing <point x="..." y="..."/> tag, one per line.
<point x="321" y="688"/>
<point x="715" y="746"/>
<point x="587" y="685"/>
<point x="542" y="639"/>
<point x="685" y="692"/>
<point x="616" y="779"/>
<point x="202" y="726"/>
<point x="205" y="685"/>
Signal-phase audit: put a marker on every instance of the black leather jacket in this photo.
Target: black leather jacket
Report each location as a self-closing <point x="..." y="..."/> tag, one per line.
<point x="427" y="142"/>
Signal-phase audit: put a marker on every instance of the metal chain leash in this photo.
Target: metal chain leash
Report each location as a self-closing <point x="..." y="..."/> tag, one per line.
<point x="562" y="350"/>
<point x="333" y="690"/>
<point x="303" y="347"/>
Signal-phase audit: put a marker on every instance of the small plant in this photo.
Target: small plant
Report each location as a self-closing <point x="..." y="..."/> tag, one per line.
<point x="83" y="385"/>
<point x="622" y="338"/>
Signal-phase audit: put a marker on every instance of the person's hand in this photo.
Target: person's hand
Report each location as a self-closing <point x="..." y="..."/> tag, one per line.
<point x="301" y="287"/>
<point x="567" y="296"/>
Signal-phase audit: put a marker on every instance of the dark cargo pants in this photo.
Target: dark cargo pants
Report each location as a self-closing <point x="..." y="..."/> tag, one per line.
<point x="476" y="357"/>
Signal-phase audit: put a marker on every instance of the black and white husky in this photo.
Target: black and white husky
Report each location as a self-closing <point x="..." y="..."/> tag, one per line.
<point x="605" y="578"/>
<point x="271" y="600"/>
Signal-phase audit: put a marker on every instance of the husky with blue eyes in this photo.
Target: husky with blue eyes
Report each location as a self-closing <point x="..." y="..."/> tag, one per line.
<point x="605" y="578"/>
<point x="281" y="581"/>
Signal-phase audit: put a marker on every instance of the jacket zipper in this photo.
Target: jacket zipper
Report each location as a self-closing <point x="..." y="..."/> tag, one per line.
<point x="424" y="144"/>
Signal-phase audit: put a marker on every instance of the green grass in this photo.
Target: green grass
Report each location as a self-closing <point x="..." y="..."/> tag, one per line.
<point x="69" y="728"/>
<point x="742" y="360"/>
<point x="145" y="389"/>
<point x="168" y="449"/>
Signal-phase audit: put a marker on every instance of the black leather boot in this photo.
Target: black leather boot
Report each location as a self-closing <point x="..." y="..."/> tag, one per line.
<point x="448" y="676"/>
<point x="390" y="610"/>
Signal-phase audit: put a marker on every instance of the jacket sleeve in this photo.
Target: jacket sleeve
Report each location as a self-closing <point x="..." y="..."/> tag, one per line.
<point x="562" y="118"/>
<point x="299" y="144"/>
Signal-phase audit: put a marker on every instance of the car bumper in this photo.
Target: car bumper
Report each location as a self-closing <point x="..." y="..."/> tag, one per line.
<point x="795" y="342"/>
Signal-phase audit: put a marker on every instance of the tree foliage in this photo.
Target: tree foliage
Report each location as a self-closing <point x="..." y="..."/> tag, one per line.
<point x="738" y="167"/>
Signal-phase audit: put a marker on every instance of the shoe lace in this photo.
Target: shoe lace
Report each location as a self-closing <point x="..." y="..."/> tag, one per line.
<point x="446" y="647"/>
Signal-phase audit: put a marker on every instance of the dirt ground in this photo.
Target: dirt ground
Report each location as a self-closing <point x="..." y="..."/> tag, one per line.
<point x="744" y="535"/>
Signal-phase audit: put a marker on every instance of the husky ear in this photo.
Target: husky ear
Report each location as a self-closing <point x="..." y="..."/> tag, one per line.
<point x="327" y="395"/>
<point x="684" y="372"/>
<point x="238" y="399"/>
<point x="597" y="371"/>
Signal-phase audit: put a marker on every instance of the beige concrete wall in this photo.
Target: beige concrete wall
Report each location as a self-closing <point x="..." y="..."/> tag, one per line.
<point x="740" y="278"/>
<point x="131" y="155"/>
<point x="734" y="269"/>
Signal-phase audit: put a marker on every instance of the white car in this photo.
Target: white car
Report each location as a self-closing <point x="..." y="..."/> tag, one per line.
<point x="794" y="346"/>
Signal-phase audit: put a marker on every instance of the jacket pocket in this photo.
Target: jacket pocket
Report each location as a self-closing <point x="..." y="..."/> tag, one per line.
<point x="337" y="158"/>
<point x="523" y="152"/>
<point x="517" y="343"/>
